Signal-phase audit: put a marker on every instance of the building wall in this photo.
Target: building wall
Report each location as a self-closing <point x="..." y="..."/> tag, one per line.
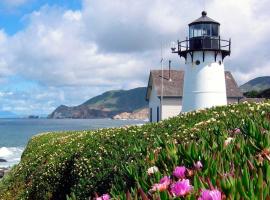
<point x="171" y="107"/>
<point x="204" y="81"/>
<point x="232" y="100"/>
<point x="154" y="103"/>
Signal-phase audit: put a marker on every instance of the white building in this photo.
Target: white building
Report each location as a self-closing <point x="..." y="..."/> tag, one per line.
<point x="171" y="103"/>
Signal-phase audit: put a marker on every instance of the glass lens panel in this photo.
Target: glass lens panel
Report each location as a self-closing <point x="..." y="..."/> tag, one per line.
<point x="215" y="31"/>
<point x="206" y="31"/>
<point x="191" y="31"/>
<point x="197" y="30"/>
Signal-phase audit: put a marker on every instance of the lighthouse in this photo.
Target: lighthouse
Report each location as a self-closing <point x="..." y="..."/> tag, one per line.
<point x="204" y="52"/>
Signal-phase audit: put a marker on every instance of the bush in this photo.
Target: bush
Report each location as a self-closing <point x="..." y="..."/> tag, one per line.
<point x="82" y="163"/>
<point x="235" y="160"/>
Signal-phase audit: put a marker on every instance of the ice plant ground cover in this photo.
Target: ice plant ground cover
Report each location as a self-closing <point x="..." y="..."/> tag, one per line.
<point x="225" y="152"/>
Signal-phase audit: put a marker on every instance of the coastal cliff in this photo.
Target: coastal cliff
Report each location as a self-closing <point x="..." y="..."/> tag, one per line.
<point x="140" y="114"/>
<point x="106" y="105"/>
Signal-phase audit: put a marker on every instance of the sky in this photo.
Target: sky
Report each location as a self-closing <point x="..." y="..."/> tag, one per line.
<point x="55" y="52"/>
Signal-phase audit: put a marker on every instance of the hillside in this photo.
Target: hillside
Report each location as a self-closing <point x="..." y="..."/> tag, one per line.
<point x="105" y="105"/>
<point x="257" y="84"/>
<point x="265" y="94"/>
<point x="195" y="153"/>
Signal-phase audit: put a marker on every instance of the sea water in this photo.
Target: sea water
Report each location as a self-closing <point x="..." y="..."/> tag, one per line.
<point x="15" y="133"/>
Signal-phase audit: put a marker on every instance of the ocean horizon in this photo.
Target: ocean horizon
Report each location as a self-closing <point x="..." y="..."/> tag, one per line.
<point x="16" y="132"/>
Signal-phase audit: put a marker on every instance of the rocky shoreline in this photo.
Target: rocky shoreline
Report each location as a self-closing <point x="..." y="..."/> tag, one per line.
<point x="3" y="171"/>
<point x="137" y="115"/>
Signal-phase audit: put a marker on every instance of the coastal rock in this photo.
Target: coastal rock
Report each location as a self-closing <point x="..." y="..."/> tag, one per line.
<point x="140" y="115"/>
<point x="3" y="172"/>
<point x="2" y="160"/>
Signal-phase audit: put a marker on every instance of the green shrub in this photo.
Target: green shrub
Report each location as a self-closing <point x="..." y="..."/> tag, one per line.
<point x="56" y="165"/>
<point x="239" y="168"/>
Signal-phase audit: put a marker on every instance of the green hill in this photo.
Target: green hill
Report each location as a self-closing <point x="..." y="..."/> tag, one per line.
<point x="116" y="161"/>
<point x="258" y="94"/>
<point x="105" y="105"/>
<point x="257" y="84"/>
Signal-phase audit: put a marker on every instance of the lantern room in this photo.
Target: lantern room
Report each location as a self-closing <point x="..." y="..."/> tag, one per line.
<point x="204" y="35"/>
<point x="204" y="27"/>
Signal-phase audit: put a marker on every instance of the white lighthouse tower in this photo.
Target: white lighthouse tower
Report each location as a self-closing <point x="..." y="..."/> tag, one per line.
<point x="204" y="52"/>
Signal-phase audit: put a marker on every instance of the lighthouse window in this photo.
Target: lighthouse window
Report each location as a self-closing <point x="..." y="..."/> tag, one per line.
<point x="215" y="31"/>
<point x="206" y="31"/>
<point x="196" y="30"/>
<point x="199" y="30"/>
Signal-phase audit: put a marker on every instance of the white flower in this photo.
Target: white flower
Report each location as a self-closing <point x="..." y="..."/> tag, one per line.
<point x="228" y="141"/>
<point x="152" y="170"/>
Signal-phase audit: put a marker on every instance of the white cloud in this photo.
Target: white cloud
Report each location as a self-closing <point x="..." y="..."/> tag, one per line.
<point x="14" y="3"/>
<point x="113" y="44"/>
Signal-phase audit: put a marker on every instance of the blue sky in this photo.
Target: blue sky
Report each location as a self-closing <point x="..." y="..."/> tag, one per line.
<point x="12" y="16"/>
<point x="55" y="52"/>
<point x="13" y="19"/>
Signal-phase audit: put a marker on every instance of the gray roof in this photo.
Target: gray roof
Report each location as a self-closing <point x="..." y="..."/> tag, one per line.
<point x="174" y="88"/>
<point x="204" y="19"/>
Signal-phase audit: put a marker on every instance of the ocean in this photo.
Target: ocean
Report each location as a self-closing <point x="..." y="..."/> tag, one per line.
<point x="15" y="133"/>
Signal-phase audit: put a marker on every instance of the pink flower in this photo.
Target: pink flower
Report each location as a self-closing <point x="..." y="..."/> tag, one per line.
<point x="159" y="187"/>
<point x="210" y="195"/>
<point x="165" y="180"/>
<point x="104" y="197"/>
<point x="181" y="188"/>
<point x="162" y="185"/>
<point x="237" y="131"/>
<point x="179" y="172"/>
<point x="198" y="165"/>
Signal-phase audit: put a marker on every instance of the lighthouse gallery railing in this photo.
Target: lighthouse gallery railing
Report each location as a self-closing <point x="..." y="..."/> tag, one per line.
<point x="204" y="43"/>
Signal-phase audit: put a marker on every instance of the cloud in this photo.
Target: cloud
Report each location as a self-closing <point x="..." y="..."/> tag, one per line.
<point x="4" y="66"/>
<point x="114" y="44"/>
<point x="14" y="3"/>
<point x="56" y="43"/>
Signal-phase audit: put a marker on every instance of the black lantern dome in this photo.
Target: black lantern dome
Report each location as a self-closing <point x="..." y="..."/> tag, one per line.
<point x="204" y="35"/>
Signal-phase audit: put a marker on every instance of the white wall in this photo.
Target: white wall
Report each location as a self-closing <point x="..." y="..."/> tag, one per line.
<point x="154" y="102"/>
<point x="171" y="107"/>
<point x="204" y="84"/>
